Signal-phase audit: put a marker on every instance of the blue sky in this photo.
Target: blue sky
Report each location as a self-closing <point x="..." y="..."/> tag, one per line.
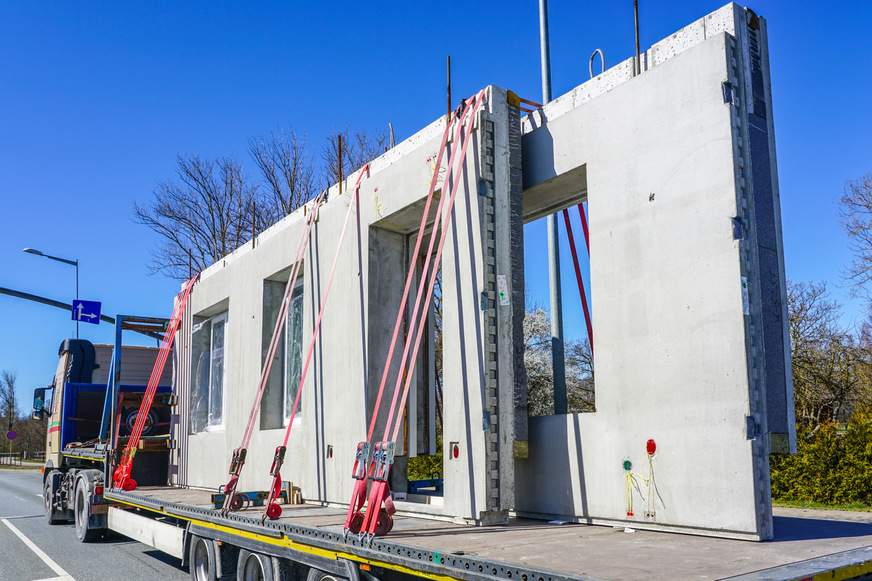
<point x="98" y="99"/>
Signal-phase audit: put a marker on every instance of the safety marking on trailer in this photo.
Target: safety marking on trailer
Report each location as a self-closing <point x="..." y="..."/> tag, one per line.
<point x="62" y="575"/>
<point x="836" y="567"/>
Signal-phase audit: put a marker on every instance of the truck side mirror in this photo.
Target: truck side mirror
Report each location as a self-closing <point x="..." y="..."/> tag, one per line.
<point x="39" y="400"/>
<point x="37" y="415"/>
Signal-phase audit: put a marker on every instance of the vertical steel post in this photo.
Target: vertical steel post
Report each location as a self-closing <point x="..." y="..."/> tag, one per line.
<point x="638" y="70"/>
<point x="449" y="88"/>
<point x="557" y="352"/>
<point x="77" y="295"/>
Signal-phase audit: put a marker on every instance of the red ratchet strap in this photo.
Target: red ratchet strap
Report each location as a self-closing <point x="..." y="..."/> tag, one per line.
<point x="584" y="226"/>
<point x="273" y="510"/>
<point x="477" y="101"/>
<point x="380" y="492"/>
<point x="121" y="476"/>
<point x="578" y="270"/>
<point x="354" y="518"/>
<point x="238" y="459"/>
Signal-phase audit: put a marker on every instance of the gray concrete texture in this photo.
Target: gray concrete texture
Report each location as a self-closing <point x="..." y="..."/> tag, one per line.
<point x="687" y="300"/>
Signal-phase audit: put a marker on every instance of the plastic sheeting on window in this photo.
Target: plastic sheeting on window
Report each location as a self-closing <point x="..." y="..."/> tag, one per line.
<point x="207" y="373"/>
<point x="294" y="352"/>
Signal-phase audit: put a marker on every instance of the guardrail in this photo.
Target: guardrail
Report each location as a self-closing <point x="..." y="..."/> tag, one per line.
<point x="10" y="459"/>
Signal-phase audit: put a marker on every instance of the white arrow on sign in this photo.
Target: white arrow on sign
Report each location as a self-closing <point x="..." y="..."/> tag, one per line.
<point x="82" y="314"/>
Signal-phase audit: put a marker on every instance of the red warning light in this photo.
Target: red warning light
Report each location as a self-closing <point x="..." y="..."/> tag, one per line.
<point x="455" y="451"/>
<point x="651" y="447"/>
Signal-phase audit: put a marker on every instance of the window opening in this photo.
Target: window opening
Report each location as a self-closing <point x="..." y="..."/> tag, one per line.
<point x="578" y="355"/>
<point x="207" y="391"/>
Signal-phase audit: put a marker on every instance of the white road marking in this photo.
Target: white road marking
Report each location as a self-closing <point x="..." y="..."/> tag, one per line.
<point x="62" y="575"/>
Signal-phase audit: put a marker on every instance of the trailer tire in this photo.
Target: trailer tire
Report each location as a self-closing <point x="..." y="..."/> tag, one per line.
<point x="201" y="560"/>
<point x="254" y="567"/>
<point x="82" y="514"/>
<point x="319" y="575"/>
<point x="53" y="515"/>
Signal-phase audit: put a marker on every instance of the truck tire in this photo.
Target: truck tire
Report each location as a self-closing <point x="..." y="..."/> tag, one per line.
<point x="254" y="567"/>
<point x="319" y="575"/>
<point x="201" y="560"/>
<point x="50" y="488"/>
<point x="82" y="514"/>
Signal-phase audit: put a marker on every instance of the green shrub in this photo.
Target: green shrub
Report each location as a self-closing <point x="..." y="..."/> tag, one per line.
<point x="427" y="467"/>
<point x="832" y="466"/>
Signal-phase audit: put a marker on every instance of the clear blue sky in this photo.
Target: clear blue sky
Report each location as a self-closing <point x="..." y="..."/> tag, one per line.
<point x="98" y="98"/>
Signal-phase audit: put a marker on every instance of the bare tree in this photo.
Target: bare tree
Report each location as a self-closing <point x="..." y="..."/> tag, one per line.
<point x="287" y="171"/>
<point x="830" y="367"/>
<point x="209" y="211"/>
<point x="537" y="360"/>
<point x="8" y="405"/>
<point x="855" y="214"/>
<point x="212" y="207"/>
<point x="356" y="151"/>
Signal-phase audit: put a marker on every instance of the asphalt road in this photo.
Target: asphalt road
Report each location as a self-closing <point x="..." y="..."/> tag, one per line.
<point x="32" y="550"/>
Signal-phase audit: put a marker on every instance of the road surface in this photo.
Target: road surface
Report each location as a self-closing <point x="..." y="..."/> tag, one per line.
<point x="31" y="550"/>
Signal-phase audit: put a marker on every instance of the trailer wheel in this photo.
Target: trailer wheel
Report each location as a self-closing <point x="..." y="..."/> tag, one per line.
<point x="201" y="560"/>
<point x="253" y="567"/>
<point x="49" y="495"/>
<point x="82" y="513"/>
<point x="318" y="575"/>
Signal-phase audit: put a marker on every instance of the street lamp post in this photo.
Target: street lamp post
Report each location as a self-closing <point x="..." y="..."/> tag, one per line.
<point x="65" y="261"/>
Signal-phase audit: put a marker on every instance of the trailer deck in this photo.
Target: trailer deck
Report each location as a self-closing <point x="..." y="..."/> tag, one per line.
<point x="807" y="543"/>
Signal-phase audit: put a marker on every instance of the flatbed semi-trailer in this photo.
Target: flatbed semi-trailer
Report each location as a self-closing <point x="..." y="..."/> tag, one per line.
<point x="307" y="542"/>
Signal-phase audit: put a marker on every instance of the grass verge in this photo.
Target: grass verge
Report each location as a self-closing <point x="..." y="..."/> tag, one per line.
<point x="852" y="506"/>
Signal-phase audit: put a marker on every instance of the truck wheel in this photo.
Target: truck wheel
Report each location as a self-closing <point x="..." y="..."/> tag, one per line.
<point x="201" y="560"/>
<point x="82" y="513"/>
<point x="253" y="567"/>
<point x="318" y="575"/>
<point x="49" y="495"/>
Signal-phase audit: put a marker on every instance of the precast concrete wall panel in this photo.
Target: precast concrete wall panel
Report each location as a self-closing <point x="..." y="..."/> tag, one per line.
<point x="341" y="387"/>
<point x="677" y="311"/>
<point x="687" y="287"/>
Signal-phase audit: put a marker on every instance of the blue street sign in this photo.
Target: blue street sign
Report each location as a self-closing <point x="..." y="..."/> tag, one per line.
<point x="86" y="311"/>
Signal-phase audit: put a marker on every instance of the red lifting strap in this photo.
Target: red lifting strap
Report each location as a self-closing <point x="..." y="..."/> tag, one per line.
<point x="377" y="520"/>
<point x="578" y="271"/>
<point x="121" y="476"/>
<point x="271" y="509"/>
<point x="239" y="453"/>
<point x="355" y="518"/>
<point x="420" y="304"/>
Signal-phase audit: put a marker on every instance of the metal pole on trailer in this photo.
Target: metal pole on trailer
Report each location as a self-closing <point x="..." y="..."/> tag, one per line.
<point x="557" y="353"/>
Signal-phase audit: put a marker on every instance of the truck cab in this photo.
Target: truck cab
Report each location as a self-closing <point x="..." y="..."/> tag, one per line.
<point x="86" y="427"/>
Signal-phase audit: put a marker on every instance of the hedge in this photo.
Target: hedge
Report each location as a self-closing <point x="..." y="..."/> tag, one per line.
<point x="833" y="465"/>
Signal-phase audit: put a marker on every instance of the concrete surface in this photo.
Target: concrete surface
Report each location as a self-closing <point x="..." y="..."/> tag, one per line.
<point x="342" y="382"/>
<point x="681" y="349"/>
